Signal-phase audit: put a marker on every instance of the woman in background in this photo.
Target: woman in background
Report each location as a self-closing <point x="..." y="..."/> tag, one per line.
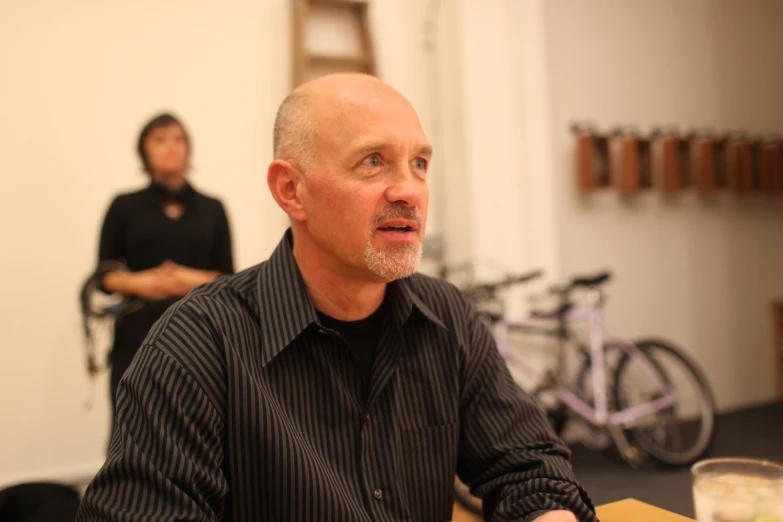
<point x="168" y="237"/>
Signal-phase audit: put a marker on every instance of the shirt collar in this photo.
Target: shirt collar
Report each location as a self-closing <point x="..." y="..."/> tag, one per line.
<point x="405" y="300"/>
<point x="286" y="309"/>
<point x="177" y="195"/>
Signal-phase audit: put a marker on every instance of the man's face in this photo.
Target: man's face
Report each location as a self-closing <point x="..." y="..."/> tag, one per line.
<point x="366" y="194"/>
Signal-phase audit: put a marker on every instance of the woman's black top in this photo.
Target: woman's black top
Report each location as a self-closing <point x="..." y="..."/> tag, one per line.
<point x="137" y="232"/>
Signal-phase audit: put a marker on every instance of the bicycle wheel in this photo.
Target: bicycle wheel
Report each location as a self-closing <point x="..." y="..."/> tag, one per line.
<point x="682" y="433"/>
<point x="466" y="500"/>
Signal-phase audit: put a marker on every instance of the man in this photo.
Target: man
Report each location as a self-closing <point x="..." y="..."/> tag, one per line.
<point x="329" y="383"/>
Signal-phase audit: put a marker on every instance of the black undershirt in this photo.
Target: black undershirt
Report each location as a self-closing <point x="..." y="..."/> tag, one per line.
<point x="362" y="338"/>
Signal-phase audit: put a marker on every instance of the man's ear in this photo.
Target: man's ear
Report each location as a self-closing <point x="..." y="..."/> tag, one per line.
<point x="285" y="184"/>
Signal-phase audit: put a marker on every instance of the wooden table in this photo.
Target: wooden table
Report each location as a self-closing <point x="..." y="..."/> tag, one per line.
<point x="628" y="510"/>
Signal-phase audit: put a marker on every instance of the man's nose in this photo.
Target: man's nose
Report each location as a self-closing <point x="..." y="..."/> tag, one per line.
<point x="406" y="187"/>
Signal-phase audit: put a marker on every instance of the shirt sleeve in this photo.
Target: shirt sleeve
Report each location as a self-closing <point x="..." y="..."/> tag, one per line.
<point x="165" y="457"/>
<point x="112" y="241"/>
<point x="111" y="249"/>
<point x="509" y="455"/>
<point x="222" y="258"/>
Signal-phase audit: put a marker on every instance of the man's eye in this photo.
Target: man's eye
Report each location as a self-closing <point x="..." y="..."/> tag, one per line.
<point x="372" y="161"/>
<point x="420" y="163"/>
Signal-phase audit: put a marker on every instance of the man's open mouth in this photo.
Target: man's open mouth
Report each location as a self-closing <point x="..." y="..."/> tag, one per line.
<point x="396" y="228"/>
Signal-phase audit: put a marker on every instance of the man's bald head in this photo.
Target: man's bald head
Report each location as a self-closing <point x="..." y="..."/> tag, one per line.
<point x="309" y="110"/>
<point x="295" y="134"/>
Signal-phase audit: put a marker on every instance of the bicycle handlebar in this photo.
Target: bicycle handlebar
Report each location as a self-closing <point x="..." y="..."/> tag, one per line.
<point x="488" y="291"/>
<point x="509" y="281"/>
<point x="596" y="280"/>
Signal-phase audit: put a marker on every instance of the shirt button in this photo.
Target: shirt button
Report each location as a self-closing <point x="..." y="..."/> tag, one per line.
<point x="378" y="494"/>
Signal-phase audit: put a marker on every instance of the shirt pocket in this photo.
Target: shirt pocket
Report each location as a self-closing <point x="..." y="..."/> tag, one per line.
<point x="430" y="460"/>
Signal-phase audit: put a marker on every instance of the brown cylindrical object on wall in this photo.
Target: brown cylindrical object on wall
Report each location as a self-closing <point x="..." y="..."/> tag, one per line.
<point x="592" y="158"/>
<point x="721" y="173"/>
<point x="645" y="164"/>
<point x="584" y="162"/>
<point x="771" y="167"/>
<point x="671" y="163"/>
<point x="629" y="174"/>
<point x="744" y="159"/>
<point x="705" y="165"/>
<point x="676" y="163"/>
<point x="636" y="164"/>
<point x="732" y="164"/>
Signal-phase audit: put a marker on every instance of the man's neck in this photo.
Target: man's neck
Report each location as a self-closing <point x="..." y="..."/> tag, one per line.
<point x="334" y="292"/>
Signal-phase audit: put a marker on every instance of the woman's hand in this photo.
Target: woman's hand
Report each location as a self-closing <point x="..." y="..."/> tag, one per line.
<point x="164" y="281"/>
<point x="148" y="284"/>
<point x="182" y="279"/>
<point x="156" y="283"/>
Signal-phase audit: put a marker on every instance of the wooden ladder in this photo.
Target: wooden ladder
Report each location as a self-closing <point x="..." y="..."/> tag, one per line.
<point x="309" y="63"/>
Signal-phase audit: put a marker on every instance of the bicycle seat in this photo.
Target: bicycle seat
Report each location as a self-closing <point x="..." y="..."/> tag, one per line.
<point x="592" y="281"/>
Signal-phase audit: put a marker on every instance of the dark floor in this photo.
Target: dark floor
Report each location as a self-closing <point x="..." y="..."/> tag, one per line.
<point x="754" y="432"/>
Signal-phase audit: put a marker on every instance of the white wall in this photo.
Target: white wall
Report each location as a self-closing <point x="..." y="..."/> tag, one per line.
<point x="79" y="79"/>
<point x="77" y="82"/>
<point x="698" y="272"/>
<point x="701" y="273"/>
<point x="501" y="205"/>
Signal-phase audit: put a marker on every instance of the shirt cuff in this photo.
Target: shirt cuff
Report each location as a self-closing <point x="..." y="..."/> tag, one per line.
<point x="104" y="267"/>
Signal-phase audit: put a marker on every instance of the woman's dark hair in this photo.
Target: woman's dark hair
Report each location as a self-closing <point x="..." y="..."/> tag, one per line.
<point x="161" y="120"/>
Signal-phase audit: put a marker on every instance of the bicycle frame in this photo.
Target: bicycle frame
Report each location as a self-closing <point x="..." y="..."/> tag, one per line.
<point x="598" y="415"/>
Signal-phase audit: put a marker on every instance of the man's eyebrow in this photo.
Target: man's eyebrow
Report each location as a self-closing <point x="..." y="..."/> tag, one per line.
<point x="376" y="145"/>
<point x="371" y="146"/>
<point x="425" y="150"/>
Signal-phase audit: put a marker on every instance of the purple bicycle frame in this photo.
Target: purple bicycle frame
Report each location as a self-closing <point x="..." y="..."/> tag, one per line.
<point x="599" y="415"/>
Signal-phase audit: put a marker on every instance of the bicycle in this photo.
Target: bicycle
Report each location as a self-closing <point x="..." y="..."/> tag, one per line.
<point x="608" y="393"/>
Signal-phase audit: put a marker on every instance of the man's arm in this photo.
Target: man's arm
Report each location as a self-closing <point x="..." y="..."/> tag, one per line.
<point x="509" y="454"/>
<point x="165" y="457"/>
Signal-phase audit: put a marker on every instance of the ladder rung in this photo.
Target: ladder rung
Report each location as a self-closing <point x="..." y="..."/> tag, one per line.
<point x="344" y="3"/>
<point x="338" y="61"/>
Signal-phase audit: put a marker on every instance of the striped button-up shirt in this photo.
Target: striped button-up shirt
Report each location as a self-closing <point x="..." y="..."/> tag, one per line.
<point x="241" y="406"/>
